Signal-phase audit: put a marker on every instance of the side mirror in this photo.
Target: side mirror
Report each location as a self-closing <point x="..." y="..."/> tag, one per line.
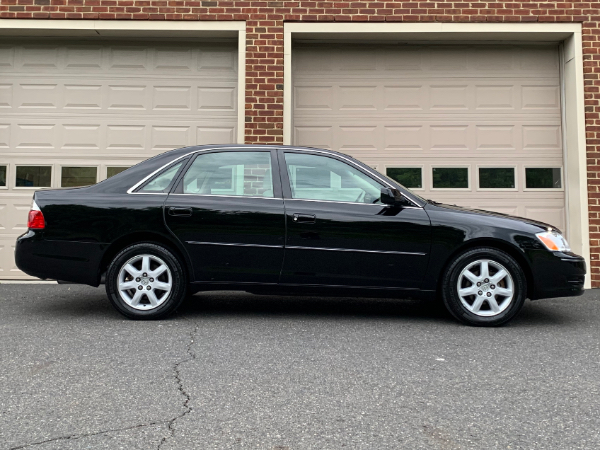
<point x="392" y="197"/>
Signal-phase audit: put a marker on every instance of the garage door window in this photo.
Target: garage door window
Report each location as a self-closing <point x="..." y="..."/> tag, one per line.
<point x="78" y="176"/>
<point x="543" y="178"/>
<point x="410" y="177"/>
<point x="34" y="176"/>
<point x="497" y="177"/>
<point x="2" y="176"/>
<point x="450" y="177"/>
<point x="112" y="171"/>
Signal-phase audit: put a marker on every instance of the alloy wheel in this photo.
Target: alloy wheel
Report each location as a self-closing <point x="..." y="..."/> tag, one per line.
<point x="144" y="282"/>
<point x="485" y="288"/>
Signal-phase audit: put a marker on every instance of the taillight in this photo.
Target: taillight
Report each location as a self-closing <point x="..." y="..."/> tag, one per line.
<point x="36" y="221"/>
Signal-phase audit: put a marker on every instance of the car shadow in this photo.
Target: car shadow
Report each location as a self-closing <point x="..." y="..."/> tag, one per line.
<point x="244" y="304"/>
<point x="86" y="302"/>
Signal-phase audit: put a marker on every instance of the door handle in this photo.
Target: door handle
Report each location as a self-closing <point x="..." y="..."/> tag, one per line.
<point x="304" y="218"/>
<point x="175" y="211"/>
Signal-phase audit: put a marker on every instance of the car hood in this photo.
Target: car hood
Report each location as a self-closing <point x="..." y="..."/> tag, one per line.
<point x="491" y="214"/>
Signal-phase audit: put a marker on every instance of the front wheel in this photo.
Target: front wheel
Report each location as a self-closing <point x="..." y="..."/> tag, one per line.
<point x="146" y="281"/>
<point x="484" y="287"/>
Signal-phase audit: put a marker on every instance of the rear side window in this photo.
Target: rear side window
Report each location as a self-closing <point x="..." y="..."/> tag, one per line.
<point x="245" y="174"/>
<point x="162" y="181"/>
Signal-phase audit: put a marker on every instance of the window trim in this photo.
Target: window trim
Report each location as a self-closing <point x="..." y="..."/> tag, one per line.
<point x="544" y="166"/>
<point x="496" y="166"/>
<point x="158" y="173"/>
<point x="26" y="188"/>
<point x="469" y="187"/>
<point x="286" y="182"/>
<point x="177" y="188"/>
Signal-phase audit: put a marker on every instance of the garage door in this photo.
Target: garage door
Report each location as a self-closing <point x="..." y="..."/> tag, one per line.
<point x="73" y="113"/>
<point x="477" y="126"/>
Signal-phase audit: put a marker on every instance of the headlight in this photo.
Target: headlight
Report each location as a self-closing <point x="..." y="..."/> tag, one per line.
<point x="554" y="241"/>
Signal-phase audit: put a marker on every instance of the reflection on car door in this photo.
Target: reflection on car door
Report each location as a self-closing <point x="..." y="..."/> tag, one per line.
<point x="228" y="213"/>
<point x="338" y="233"/>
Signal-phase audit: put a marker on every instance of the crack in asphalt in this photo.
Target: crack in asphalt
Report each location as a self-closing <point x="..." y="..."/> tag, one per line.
<point x="182" y="391"/>
<point x="170" y="423"/>
<point x="73" y="437"/>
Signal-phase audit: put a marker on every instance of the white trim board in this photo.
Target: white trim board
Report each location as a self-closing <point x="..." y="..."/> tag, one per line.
<point x="568" y="34"/>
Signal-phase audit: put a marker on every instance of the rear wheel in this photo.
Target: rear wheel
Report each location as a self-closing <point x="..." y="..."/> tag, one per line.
<point x="146" y="281"/>
<point x="484" y="287"/>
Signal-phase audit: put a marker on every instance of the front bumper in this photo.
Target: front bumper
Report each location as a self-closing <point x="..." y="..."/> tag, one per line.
<point x="557" y="274"/>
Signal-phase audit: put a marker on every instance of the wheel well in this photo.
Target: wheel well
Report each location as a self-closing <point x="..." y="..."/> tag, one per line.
<point x="130" y="239"/>
<point x="499" y="245"/>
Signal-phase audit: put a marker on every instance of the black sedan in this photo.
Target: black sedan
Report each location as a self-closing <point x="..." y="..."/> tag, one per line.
<point x="287" y="220"/>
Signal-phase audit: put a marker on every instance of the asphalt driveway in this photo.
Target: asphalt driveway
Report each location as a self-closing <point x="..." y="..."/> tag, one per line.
<point x="239" y="371"/>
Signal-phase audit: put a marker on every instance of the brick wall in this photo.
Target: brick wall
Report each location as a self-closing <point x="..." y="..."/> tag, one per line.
<point x="264" y="19"/>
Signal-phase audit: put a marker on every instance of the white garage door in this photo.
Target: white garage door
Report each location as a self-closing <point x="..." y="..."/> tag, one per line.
<point x="477" y="126"/>
<point x="73" y="113"/>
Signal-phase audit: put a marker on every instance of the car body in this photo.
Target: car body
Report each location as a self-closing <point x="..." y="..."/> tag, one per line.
<point x="280" y="219"/>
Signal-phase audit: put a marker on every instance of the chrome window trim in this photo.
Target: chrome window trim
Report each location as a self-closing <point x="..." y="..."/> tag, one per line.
<point x="333" y="201"/>
<point x="231" y="196"/>
<point x="274" y="147"/>
<point x="143" y="180"/>
<point x="385" y="252"/>
<point x="373" y="175"/>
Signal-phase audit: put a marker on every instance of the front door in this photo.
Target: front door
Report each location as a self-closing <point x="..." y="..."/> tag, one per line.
<point x="338" y="231"/>
<point x="227" y="211"/>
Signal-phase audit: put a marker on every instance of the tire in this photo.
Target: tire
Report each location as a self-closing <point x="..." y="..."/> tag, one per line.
<point x="133" y="268"/>
<point x="490" y="303"/>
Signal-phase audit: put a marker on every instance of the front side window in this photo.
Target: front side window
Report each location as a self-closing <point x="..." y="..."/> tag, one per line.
<point x="245" y="174"/>
<point x="161" y="182"/>
<point x="314" y="177"/>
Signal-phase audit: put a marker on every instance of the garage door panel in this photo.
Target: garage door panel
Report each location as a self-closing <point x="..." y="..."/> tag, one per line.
<point x="83" y="97"/>
<point x="397" y="98"/>
<point x="215" y="135"/>
<point x="172" y="98"/>
<point x="405" y="137"/>
<point x="435" y="61"/>
<point x="314" y="136"/>
<point x="486" y="113"/>
<point x="105" y="105"/>
<point x="6" y="96"/>
<point x="540" y="97"/>
<point x="496" y="137"/>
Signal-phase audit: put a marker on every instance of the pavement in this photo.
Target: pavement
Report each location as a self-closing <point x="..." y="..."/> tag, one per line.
<point x="239" y="371"/>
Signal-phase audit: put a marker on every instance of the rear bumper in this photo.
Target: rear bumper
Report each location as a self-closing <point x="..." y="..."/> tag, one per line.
<point x="557" y="274"/>
<point x="77" y="262"/>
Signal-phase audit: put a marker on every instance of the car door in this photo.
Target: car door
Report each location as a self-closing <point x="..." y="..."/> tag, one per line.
<point x="227" y="211"/>
<point x="338" y="231"/>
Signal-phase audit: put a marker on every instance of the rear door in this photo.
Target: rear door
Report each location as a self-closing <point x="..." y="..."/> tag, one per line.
<point x="228" y="212"/>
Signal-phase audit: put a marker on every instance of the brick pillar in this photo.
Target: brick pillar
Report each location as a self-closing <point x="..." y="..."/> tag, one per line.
<point x="264" y="78"/>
